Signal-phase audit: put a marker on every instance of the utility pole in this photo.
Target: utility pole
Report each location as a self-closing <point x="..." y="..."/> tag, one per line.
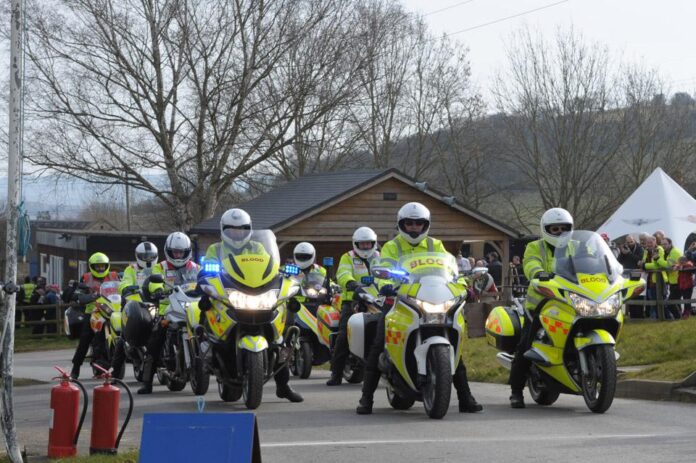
<point x="14" y="186"/>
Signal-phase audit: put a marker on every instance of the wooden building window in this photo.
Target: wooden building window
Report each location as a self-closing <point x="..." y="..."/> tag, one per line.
<point x="387" y="196"/>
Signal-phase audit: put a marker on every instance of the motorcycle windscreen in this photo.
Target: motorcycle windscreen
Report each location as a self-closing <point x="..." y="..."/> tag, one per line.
<point x="109" y="290"/>
<point x="585" y="259"/>
<point x="430" y="276"/>
<point x="256" y="262"/>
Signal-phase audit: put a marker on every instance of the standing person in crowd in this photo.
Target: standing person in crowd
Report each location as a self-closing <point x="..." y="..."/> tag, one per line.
<point x="670" y="264"/>
<point x="611" y="244"/>
<point x="472" y="262"/>
<point x="24" y="297"/>
<point x="353" y="266"/>
<point x="483" y="283"/>
<point x="659" y="236"/>
<point x="690" y="252"/>
<point x="652" y="255"/>
<point x="518" y="281"/>
<point x="686" y="283"/>
<point x="630" y="254"/>
<point x="495" y="268"/>
<point x="643" y="239"/>
<point x="36" y="299"/>
<point x="51" y="300"/>
<point x="463" y="263"/>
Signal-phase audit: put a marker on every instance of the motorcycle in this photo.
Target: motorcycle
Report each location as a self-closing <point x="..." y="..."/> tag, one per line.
<point x="138" y="322"/>
<point x="579" y="322"/>
<point x="246" y="324"/>
<point x="424" y="332"/>
<point x="106" y="317"/>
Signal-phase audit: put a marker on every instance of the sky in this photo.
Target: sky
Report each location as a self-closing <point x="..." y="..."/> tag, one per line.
<point x="658" y="34"/>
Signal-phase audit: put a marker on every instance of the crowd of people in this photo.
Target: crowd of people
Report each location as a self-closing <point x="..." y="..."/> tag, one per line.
<point x="668" y="271"/>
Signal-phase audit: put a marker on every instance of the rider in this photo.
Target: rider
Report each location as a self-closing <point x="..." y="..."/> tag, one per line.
<point x="413" y="221"/>
<point x="235" y="232"/>
<point x="98" y="273"/>
<point x="556" y="228"/>
<point x="177" y="269"/>
<point x="134" y="276"/>
<point x="353" y="266"/>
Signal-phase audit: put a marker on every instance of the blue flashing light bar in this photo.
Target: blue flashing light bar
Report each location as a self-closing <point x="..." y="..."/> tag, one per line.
<point x="291" y="269"/>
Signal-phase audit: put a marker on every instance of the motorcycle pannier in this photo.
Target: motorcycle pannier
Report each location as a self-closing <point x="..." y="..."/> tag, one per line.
<point x="73" y="321"/>
<point x="137" y="323"/>
<point x="503" y="329"/>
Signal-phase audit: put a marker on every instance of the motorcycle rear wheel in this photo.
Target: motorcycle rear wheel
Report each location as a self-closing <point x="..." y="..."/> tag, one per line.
<point x="200" y="378"/>
<point x="252" y="385"/>
<point x="599" y="386"/>
<point x="539" y="392"/>
<point x="303" y="360"/>
<point x="399" y="402"/>
<point x="438" y="384"/>
<point x="353" y="371"/>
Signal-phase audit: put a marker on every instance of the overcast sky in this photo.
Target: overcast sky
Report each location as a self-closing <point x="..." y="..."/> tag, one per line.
<point x="660" y="34"/>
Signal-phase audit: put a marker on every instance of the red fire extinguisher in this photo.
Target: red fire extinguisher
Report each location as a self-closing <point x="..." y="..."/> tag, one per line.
<point x="105" y="415"/>
<point x="64" y="429"/>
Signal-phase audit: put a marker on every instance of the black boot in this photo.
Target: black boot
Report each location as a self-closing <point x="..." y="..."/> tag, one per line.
<point x="286" y="392"/>
<point x="75" y="372"/>
<point x="148" y="375"/>
<point x="469" y="405"/>
<point x="517" y="399"/>
<point x="370" y="383"/>
<point x="335" y="380"/>
<point x="146" y="388"/>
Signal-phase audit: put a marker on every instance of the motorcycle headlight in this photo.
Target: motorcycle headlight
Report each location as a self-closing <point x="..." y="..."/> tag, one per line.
<point x="314" y="293"/>
<point x="587" y="308"/>
<point x="434" y="318"/>
<point x="265" y="301"/>
<point x="429" y="308"/>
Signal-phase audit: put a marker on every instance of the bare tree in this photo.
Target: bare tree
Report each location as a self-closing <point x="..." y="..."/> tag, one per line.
<point x="563" y="130"/>
<point x="191" y="89"/>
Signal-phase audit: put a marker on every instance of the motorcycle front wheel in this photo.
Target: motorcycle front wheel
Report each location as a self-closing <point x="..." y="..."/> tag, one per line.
<point x="200" y="378"/>
<point x="599" y="385"/>
<point x="438" y="383"/>
<point x="302" y="361"/>
<point x="252" y="385"/>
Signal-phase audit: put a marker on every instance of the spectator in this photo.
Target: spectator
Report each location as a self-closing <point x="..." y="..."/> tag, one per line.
<point x="611" y="244"/>
<point x="690" y="252"/>
<point x="495" y="268"/>
<point x="483" y="283"/>
<point x="652" y="256"/>
<point x="472" y="262"/>
<point x="671" y="263"/>
<point x="517" y="279"/>
<point x="643" y="239"/>
<point x="686" y="284"/>
<point x="51" y="313"/>
<point x="659" y="235"/>
<point x="36" y="314"/>
<point x="630" y="253"/>
<point x="463" y="263"/>
<point x="69" y="291"/>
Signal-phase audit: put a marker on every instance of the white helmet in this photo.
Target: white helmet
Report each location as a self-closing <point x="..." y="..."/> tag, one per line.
<point x="146" y="254"/>
<point x="235" y="227"/>
<point x="559" y="217"/>
<point x="304" y="255"/>
<point x="361" y="235"/>
<point x="178" y="241"/>
<point x="413" y="211"/>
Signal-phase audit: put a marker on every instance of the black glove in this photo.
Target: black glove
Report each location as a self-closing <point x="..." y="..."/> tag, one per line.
<point x="387" y="291"/>
<point x="294" y="306"/>
<point x="205" y="304"/>
<point x="11" y="288"/>
<point x="352" y="285"/>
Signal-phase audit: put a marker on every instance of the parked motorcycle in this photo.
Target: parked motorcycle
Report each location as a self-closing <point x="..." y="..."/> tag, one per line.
<point x="424" y="332"/>
<point x="246" y="324"/>
<point x="579" y="322"/>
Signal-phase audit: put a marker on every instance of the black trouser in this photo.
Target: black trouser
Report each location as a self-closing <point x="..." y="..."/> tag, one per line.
<point x="675" y="294"/>
<point x="154" y="352"/>
<point x="35" y="315"/>
<point x="87" y="337"/>
<point x="341" y="352"/>
<point x="372" y="373"/>
<point x="520" y="365"/>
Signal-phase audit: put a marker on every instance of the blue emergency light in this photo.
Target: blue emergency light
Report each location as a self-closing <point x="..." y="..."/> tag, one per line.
<point x="291" y="269"/>
<point x="210" y="266"/>
<point x="328" y="261"/>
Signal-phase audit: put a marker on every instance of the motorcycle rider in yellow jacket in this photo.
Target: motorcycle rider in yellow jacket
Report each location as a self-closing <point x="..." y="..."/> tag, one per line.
<point x="353" y="266"/>
<point x="235" y="232"/>
<point x="556" y="228"/>
<point x="413" y="221"/>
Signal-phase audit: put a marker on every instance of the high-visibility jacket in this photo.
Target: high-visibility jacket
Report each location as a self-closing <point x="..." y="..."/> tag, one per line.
<point x="27" y="290"/>
<point x="654" y="264"/>
<point x="172" y="276"/>
<point x="352" y="268"/>
<point x="134" y="275"/>
<point x="394" y="250"/>
<point x="538" y="257"/>
<point x="668" y="261"/>
<point x="94" y="285"/>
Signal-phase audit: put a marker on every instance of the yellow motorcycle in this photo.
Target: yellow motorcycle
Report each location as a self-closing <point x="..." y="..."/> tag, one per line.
<point x="424" y="332"/>
<point x="246" y="324"/>
<point x="579" y="322"/>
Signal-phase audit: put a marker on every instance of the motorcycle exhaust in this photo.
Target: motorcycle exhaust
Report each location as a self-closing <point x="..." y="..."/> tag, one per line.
<point x="504" y="359"/>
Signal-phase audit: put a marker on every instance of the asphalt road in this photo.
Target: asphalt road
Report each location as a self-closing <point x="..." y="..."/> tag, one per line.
<point x="325" y="427"/>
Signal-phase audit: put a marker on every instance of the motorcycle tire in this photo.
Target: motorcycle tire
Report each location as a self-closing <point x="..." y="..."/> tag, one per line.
<point x="303" y="360"/>
<point x="252" y="385"/>
<point x="176" y="384"/>
<point x="200" y="378"/>
<point x="353" y="373"/>
<point x="539" y="392"/>
<point x="229" y="393"/>
<point x="138" y="370"/>
<point x="398" y="402"/>
<point x="161" y="377"/>
<point x="599" y="386"/>
<point x="438" y="384"/>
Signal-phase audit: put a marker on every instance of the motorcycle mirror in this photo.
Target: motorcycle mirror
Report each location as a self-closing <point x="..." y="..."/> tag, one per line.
<point x="327" y="261"/>
<point x="367" y="280"/>
<point x="635" y="275"/>
<point x="543" y="276"/>
<point x="381" y="273"/>
<point x="157" y="278"/>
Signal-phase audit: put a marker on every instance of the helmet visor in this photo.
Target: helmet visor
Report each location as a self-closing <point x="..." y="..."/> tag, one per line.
<point x="365" y="245"/>
<point x="303" y="257"/>
<point x="100" y="268"/>
<point x="236" y="233"/>
<point x="558" y="228"/>
<point x="146" y="256"/>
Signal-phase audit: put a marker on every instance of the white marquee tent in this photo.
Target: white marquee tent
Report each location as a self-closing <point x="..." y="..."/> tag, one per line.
<point x="659" y="203"/>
